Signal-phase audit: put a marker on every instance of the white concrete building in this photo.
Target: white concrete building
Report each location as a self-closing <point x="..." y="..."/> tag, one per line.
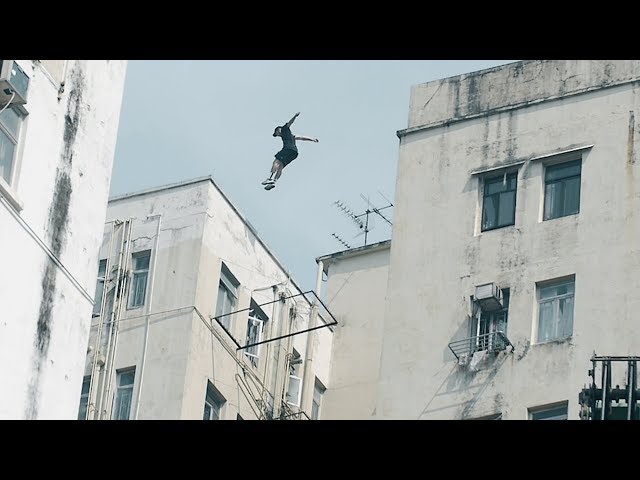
<point x="355" y="293"/>
<point x="58" y="126"/>
<point x="196" y="289"/>
<point x="515" y="252"/>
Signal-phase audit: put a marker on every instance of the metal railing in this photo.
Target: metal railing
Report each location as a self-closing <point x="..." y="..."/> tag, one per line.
<point x="491" y="342"/>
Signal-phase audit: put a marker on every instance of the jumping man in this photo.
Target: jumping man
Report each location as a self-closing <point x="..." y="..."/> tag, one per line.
<point x="288" y="153"/>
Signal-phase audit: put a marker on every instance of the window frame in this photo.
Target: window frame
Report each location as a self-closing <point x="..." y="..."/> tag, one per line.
<point x="549" y="407"/>
<point x="214" y="400"/>
<point x="121" y="388"/>
<point x="295" y="375"/>
<point x="84" y="397"/>
<point x="259" y="316"/>
<point x="315" y="411"/>
<point x="9" y="188"/>
<point x="551" y="166"/>
<point x="493" y="177"/>
<point x="134" y="272"/>
<point x="100" y="281"/>
<point x="556" y="306"/>
<point x="228" y="284"/>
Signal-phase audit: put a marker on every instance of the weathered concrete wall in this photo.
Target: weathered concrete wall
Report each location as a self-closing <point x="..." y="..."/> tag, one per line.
<point x="62" y="181"/>
<point x="512" y="86"/>
<point x="439" y="250"/>
<point x="199" y="230"/>
<point x="356" y="291"/>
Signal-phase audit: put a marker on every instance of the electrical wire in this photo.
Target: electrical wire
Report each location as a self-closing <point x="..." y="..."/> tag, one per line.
<point x="13" y="94"/>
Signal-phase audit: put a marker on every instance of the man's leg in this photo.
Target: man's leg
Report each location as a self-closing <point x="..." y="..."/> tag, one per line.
<point x="274" y="170"/>
<point x="278" y="165"/>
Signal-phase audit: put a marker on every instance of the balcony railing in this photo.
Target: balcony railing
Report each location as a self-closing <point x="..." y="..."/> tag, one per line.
<point x="491" y="342"/>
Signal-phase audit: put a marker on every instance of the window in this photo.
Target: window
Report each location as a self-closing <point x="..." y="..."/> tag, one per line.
<point x="494" y="416"/>
<point x="490" y="322"/>
<point x="10" y="122"/>
<point x="555" y="310"/>
<point x="84" y="398"/>
<point x="227" y="296"/>
<point x="238" y="417"/>
<point x="255" y="327"/>
<point x="549" y="412"/>
<point x="213" y="403"/>
<point x="499" y="201"/>
<point x="318" y="391"/>
<point x="295" y="381"/>
<point x="140" y="262"/>
<point x="102" y="270"/>
<point x="562" y="189"/>
<point x="124" y="394"/>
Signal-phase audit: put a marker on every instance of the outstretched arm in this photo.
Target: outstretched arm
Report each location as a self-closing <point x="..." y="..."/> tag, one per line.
<point x="292" y="119"/>
<point x="308" y="139"/>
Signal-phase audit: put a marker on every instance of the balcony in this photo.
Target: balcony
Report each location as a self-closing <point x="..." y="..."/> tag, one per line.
<point x="491" y="342"/>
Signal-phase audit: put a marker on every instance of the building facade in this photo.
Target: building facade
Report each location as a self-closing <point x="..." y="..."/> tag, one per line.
<point x="58" y="128"/>
<point x="198" y="319"/>
<point x="355" y="293"/>
<point x="515" y="252"/>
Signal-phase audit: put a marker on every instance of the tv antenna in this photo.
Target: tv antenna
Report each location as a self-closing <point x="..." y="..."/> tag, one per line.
<point x="366" y="226"/>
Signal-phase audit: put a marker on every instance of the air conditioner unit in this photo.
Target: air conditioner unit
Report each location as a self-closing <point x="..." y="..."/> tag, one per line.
<point x="489" y="297"/>
<point x="13" y="80"/>
<point x="463" y="360"/>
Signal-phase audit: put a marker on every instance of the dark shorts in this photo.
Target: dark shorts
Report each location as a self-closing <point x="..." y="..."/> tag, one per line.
<point x="286" y="156"/>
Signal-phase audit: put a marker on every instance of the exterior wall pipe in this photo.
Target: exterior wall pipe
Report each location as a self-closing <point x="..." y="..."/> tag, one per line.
<point x="306" y="396"/>
<point x="146" y="322"/>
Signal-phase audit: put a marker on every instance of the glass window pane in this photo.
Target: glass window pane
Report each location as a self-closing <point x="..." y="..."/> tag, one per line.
<point x="82" y="412"/>
<point x="98" y="297"/>
<point x="556" y="290"/>
<point x="10" y="120"/>
<point x="507" y="211"/>
<point x="207" y="412"/>
<point x="102" y="268"/>
<point x="126" y="378"/>
<point x="141" y="262"/>
<point x="501" y="322"/>
<point x="490" y="212"/>
<point x="123" y="403"/>
<point x="493" y="185"/>
<point x="563" y="170"/>
<point x="557" y="413"/>
<point x="139" y="287"/>
<point x="552" y="200"/>
<point x="545" y="322"/>
<point x="220" y="301"/>
<point x="85" y="385"/>
<point x="565" y="327"/>
<point x="571" y="196"/>
<point x="7" y="150"/>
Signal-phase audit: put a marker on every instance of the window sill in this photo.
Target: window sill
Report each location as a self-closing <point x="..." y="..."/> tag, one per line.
<point x="555" y="340"/>
<point x="7" y="192"/>
<point x="559" y="218"/>
<point x="497" y="228"/>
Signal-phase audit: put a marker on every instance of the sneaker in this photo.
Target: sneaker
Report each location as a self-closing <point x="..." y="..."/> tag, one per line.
<point x="269" y="186"/>
<point x="267" y="181"/>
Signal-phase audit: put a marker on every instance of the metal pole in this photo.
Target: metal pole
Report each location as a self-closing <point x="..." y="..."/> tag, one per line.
<point x="631" y="385"/>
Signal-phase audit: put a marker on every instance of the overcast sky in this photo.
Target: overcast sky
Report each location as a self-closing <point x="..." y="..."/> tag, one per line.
<point x="185" y="119"/>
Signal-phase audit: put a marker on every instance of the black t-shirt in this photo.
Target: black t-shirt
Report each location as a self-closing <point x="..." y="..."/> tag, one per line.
<point x="288" y="140"/>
